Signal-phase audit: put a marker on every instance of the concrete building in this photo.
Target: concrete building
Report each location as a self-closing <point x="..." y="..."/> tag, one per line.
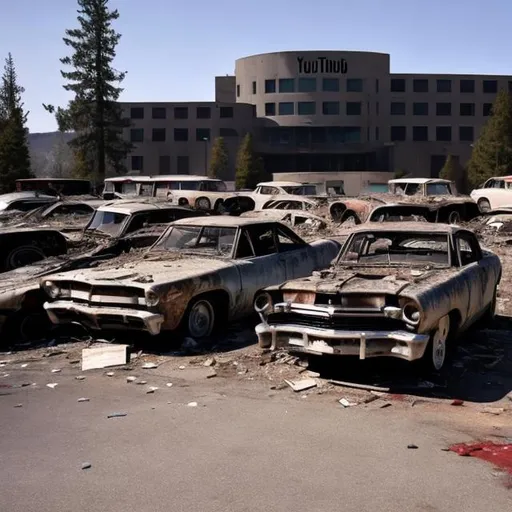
<point x="320" y="112"/>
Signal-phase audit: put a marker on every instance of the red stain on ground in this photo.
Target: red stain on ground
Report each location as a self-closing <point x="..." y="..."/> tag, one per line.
<point x="498" y="454"/>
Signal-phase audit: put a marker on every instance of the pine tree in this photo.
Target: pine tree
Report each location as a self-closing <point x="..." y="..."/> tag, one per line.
<point x="492" y="152"/>
<point x="94" y="114"/>
<point x="14" y="151"/>
<point x="453" y="171"/>
<point x="219" y="162"/>
<point x="249" y="166"/>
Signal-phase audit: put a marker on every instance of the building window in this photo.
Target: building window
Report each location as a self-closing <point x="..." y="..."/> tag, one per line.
<point x="137" y="113"/>
<point x="237" y="90"/>
<point x="202" y="134"/>
<point x="330" y="84"/>
<point x="467" y="86"/>
<point x="270" y="109"/>
<point x="286" y="108"/>
<point x="467" y="109"/>
<point x="490" y="86"/>
<point x="254" y="87"/>
<point x="306" y="108"/>
<point x="397" y="108"/>
<point x="331" y="108"/>
<point x="420" y="133"/>
<point x="225" y="112"/>
<point x="353" y="108"/>
<point x="228" y="132"/>
<point x="307" y="84"/>
<point x="182" y="164"/>
<point x="159" y="113"/>
<point x="164" y="164"/>
<point x="397" y="85"/>
<point x="487" y="109"/>
<point x="420" y="109"/>
<point x="420" y="85"/>
<point x="181" y="134"/>
<point x="398" y="133"/>
<point x="444" y="85"/>
<point x="444" y="133"/>
<point x="443" y="109"/>
<point x="286" y="85"/>
<point x="203" y="113"/>
<point x="354" y="85"/>
<point x="270" y="86"/>
<point x="158" y="135"/>
<point x="466" y="133"/>
<point x="137" y="163"/>
<point x="180" y="112"/>
<point x="137" y="135"/>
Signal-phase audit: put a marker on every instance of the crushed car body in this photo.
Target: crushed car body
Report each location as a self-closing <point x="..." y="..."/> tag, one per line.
<point x="400" y="290"/>
<point x="199" y="274"/>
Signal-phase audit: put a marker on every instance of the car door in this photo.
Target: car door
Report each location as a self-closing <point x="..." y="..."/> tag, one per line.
<point x="259" y="263"/>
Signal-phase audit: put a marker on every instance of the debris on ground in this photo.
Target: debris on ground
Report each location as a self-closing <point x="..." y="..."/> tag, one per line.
<point x="86" y="465"/>
<point x="301" y="385"/>
<point x="117" y="415"/>
<point x="210" y="362"/>
<point x="149" y="366"/>
<point x="110" y="374"/>
<point x="52" y="385"/>
<point x="18" y="405"/>
<point x="83" y="399"/>
<point x="56" y="370"/>
<point x="131" y="379"/>
<point x="412" y="447"/>
<point x="152" y="389"/>
<point x="80" y="377"/>
<point x="192" y="404"/>
<point x="169" y="384"/>
<point x="346" y="403"/>
<point x="498" y="454"/>
<point x="142" y="382"/>
<point x="493" y="410"/>
<point x="102" y="357"/>
<point x="457" y="402"/>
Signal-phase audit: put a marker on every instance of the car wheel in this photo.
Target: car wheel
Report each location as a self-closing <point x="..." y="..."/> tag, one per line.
<point x="203" y="203"/>
<point x="22" y="256"/>
<point x="454" y="217"/>
<point x="436" y="352"/>
<point x="182" y="202"/>
<point x="200" y="319"/>
<point x="484" y="205"/>
<point x="26" y="325"/>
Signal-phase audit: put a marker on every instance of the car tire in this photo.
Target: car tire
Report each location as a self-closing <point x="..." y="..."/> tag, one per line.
<point x="203" y="203"/>
<point x="200" y="318"/>
<point x="484" y="205"/>
<point x="26" y="325"/>
<point x="454" y="217"/>
<point x="23" y="255"/>
<point x="436" y="354"/>
<point x="182" y="201"/>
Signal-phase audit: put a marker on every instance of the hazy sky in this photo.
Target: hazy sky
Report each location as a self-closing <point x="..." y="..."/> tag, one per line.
<point x="172" y="49"/>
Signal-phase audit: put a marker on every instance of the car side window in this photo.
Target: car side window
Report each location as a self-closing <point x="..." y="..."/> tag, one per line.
<point x="411" y="189"/>
<point x="263" y="239"/>
<point x="287" y="240"/>
<point x="499" y="184"/>
<point x="468" y="249"/>
<point x="244" y="249"/>
<point x="267" y="191"/>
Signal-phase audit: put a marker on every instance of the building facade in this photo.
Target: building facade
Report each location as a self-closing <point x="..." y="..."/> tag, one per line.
<point x="319" y="112"/>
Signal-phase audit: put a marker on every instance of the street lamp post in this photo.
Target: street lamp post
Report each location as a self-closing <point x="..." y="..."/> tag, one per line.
<point x="205" y="140"/>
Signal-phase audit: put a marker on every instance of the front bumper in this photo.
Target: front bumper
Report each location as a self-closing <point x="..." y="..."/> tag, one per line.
<point x="67" y="312"/>
<point x="311" y="340"/>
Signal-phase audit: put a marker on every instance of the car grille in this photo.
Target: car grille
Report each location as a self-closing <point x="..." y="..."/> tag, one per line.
<point x="106" y="295"/>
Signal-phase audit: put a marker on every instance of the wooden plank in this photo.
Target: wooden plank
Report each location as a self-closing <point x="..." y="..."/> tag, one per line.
<point x="103" y="357"/>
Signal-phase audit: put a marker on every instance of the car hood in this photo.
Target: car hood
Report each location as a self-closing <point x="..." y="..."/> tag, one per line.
<point x="146" y="271"/>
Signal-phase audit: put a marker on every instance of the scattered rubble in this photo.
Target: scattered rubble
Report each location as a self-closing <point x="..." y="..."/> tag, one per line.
<point x="102" y="357"/>
<point x="86" y="465"/>
<point x="117" y="415"/>
<point x="149" y="366"/>
<point x="83" y="399"/>
<point x="53" y="385"/>
<point x="301" y="385"/>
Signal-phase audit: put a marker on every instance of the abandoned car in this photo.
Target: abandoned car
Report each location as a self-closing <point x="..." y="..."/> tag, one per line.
<point x="401" y="290"/>
<point x="353" y="211"/>
<point x="17" y="203"/>
<point x="494" y="193"/>
<point x="292" y="217"/>
<point x="199" y="274"/>
<point x="422" y="186"/>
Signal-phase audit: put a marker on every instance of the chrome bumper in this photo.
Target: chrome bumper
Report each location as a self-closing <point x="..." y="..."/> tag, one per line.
<point x="399" y="344"/>
<point x="66" y="312"/>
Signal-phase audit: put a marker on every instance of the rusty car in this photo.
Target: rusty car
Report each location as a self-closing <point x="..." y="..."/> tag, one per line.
<point x="200" y="274"/>
<point x="402" y="290"/>
<point x="293" y="218"/>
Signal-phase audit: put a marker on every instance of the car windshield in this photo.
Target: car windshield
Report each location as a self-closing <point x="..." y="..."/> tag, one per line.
<point x="107" y="223"/>
<point x="438" y="189"/>
<point x="204" y="240"/>
<point x="390" y="248"/>
<point x="304" y="190"/>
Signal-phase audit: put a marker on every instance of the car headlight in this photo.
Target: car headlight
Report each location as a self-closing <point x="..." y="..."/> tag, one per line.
<point x="411" y="313"/>
<point x="51" y="289"/>
<point x="152" y="299"/>
<point x="263" y="303"/>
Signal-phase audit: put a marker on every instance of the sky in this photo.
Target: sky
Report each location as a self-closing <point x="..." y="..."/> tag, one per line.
<point x="173" y="49"/>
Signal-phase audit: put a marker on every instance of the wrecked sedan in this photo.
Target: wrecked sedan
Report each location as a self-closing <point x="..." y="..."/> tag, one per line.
<point x="399" y="290"/>
<point x="200" y="274"/>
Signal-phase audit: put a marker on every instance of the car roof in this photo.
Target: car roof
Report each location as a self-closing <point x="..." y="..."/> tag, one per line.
<point x="280" y="184"/>
<point x="220" y="221"/>
<point x="506" y="178"/>
<point x="16" y="196"/>
<point x="30" y="180"/>
<point x="413" y="227"/>
<point x="419" y="181"/>
<point x="129" y="207"/>
<point x="182" y="177"/>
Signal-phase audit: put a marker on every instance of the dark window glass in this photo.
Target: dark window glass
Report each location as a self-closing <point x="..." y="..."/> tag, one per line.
<point x="443" y="109"/>
<point x="203" y="112"/>
<point x="490" y="86"/>
<point x="137" y="163"/>
<point x="487" y="109"/>
<point x="420" y="109"/>
<point x="444" y="133"/>
<point x="270" y="109"/>
<point x="237" y="90"/>
<point x="420" y="85"/>
<point x="397" y="108"/>
<point x="254" y="87"/>
<point x="466" y="133"/>
<point x="397" y="85"/>
<point x="286" y="108"/>
<point x="398" y="133"/>
<point x="227" y="132"/>
<point x="354" y="85"/>
<point x="137" y="134"/>
<point x="306" y="108"/>
<point x="307" y="84"/>
<point x="137" y="113"/>
<point x="180" y="112"/>
<point x="467" y="109"/>
<point x="181" y="134"/>
<point x="353" y="108"/>
<point x="467" y="86"/>
<point x="226" y="112"/>
<point x="202" y="134"/>
<point x="420" y="133"/>
<point x="331" y="108"/>
<point x="270" y="86"/>
<point x="330" y="84"/>
<point x="159" y="112"/>
<point x="286" y="85"/>
<point x="158" y="135"/>
<point x="182" y="164"/>
<point x="444" y="85"/>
